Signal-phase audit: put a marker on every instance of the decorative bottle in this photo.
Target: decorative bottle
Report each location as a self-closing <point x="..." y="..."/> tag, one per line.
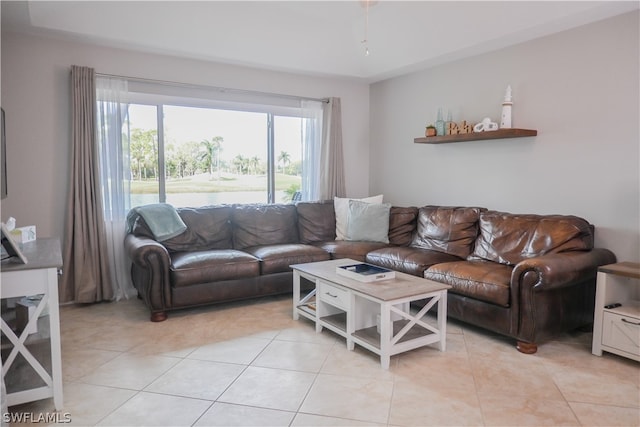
<point x="440" y="126"/>
<point x="505" y="122"/>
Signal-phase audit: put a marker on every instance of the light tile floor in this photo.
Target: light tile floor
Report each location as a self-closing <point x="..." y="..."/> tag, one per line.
<point x="251" y="364"/>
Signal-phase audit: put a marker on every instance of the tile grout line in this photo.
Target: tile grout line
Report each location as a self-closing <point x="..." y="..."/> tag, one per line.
<point x="566" y="401"/>
<point x="473" y="374"/>
<point x="315" y="378"/>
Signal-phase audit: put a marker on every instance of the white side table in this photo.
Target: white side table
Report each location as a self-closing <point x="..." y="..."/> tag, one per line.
<point x="616" y="327"/>
<point x="38" y="277"/>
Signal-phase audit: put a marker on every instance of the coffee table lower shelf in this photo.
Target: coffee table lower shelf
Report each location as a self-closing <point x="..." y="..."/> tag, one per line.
<point x="308" y="311"/>
<point x="338" y="321"/>
<point x="371" y="338"/>
<point x="371" y="335"/>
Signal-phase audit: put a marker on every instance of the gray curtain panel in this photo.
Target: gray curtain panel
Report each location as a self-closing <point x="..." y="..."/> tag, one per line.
<point x="332" y="182"/>
<point x="86" y="275"/>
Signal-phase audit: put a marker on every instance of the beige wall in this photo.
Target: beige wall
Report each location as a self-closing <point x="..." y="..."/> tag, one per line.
<point x="579" y="89"/>
<point x="35" y="96"/>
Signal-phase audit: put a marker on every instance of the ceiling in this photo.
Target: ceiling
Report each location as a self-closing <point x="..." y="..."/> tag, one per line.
<point x="309" y="37"/>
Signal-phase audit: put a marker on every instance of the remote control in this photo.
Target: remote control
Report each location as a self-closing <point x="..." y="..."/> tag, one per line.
<point x="614" y="305"/>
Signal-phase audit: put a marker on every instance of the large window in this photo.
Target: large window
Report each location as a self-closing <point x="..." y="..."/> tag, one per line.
<point x="199" y="150"/>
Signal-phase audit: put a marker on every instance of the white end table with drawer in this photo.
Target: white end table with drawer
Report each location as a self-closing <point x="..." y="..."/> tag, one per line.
<point x="38" y="277"/>
<point x="616" y="329"/>
<point x="351" y="308"/>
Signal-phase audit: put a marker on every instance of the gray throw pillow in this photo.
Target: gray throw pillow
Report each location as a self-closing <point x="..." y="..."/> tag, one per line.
<point x="368" y="222"/>
<point x="341" y="206"/>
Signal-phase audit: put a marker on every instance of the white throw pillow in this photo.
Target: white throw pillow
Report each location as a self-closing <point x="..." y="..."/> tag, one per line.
<point x="341" y="206"/>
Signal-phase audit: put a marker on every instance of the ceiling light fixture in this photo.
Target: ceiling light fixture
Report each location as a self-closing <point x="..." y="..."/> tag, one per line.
<point x="366" y="4"/>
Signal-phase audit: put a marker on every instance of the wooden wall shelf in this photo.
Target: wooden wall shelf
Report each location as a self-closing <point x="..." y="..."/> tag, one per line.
<point x="477" y="136"/>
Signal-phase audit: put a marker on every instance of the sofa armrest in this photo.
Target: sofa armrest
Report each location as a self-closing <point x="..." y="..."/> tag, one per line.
<point x="554" y="293"/>
<point x="150" y="271"/>
<point x="140" y="248"/>
<point x="558" y="270"/>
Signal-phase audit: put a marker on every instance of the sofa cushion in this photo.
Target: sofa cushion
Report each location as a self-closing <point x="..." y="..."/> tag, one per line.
<point x="259" y="225"/>
<point x="510" y="238"/>
<point x="408" y="260"/>
<point x="316" y="221"/>
<point x="341" y="209"/>
<point x="402" y="225"/>
<point x="278" y="258"/>
<point x="345" y="249"/>
<point x="452" y="230"/>
<point x="368" y="222"/>
<point x="482" y="280"/>
<point x="194" y="267"/>
<point x="208" y="227"/>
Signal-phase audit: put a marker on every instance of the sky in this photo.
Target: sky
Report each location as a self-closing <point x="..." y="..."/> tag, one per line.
<point x="244" y="133"/>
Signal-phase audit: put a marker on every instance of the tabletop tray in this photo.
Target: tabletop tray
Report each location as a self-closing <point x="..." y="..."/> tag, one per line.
<point x="365" y="272"/>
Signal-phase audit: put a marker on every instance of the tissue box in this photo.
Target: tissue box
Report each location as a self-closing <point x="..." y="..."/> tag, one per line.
<point x="24" y="234"/>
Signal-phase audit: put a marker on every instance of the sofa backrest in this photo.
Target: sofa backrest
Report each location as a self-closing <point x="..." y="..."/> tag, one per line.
<point x="316" y="221"/>
<point x="510" y="238"/>
<point x="449" y="229"/>
<point x="402" y="225"/>
<point x="263" y="224"/>
<point x="208" y="227"/>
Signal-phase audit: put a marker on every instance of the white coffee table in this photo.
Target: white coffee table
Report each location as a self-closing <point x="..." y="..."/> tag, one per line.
<point x="373" y="315"/>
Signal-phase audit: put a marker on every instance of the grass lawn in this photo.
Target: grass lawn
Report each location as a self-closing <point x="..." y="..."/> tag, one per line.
<point x="205" y="184"/>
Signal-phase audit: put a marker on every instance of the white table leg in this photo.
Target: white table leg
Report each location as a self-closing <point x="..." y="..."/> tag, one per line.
<point x="296" y="293"/>
<point x="319" y="306"/>
<point x="442" y="320"/>
<point x="385" y="335"/>
<point x="601" y="285"/>
<point x="56" y="354"/>
<point x="351" y="321"/>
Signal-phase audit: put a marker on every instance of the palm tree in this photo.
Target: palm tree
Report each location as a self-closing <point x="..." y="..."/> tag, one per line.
<point x="211" y="155"/>
<point x="143" y="150"/>
<point x="240" y="162"/>
<point x="284" y="158"/>
<point x="255" y="162"/>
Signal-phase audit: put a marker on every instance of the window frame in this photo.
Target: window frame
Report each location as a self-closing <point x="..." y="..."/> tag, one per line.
<point x="271" y="105"/>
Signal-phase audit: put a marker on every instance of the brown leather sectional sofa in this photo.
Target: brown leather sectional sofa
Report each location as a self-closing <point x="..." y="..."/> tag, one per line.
<point x="529" y="277"/>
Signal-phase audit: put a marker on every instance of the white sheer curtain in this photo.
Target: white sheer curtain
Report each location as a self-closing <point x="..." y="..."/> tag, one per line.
<point x="311" y="149"/>
<point x="115" y="177"/>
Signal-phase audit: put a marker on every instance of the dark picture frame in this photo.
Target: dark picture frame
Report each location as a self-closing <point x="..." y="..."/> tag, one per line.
<point x="10" y="246"/>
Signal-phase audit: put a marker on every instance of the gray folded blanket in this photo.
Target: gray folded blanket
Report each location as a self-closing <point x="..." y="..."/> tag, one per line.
<point x="162" y="219"/>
